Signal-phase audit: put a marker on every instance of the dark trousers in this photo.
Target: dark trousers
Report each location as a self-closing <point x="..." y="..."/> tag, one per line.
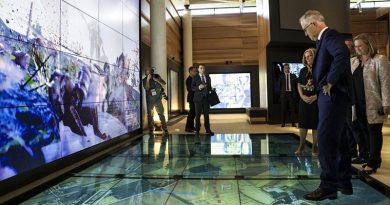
<point x="288" y="105"/>
<point x="333" y="151"/>
<point x="191" y="116"/>
<point x="376" y="142"/>
<point x="204" y="106"/>
<point x="358" y="132"/>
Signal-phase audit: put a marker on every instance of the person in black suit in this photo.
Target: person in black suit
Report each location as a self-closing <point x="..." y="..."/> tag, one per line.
<point x="201" y="85"/>
<point x="288" y="96"/>
<point x="333" y="84"/>
<point x="190" y="99"/>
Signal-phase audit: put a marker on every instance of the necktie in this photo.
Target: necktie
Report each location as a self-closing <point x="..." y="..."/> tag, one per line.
<point x="287" y="82"/>
<point x="203" y="79"/>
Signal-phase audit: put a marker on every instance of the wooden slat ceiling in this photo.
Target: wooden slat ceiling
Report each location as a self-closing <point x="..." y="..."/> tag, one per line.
<point x="179" y="4"/>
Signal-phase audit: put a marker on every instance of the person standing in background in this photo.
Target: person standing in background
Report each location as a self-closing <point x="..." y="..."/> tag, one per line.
<point x="288" y="92"/>
<point x="308" y="110"/>
<point x="351" y="47"/>
<point x="357" y="119"/>
<point x="153" y="85"/>
<point x="333" y="83"/>
<point x="376" y="78"/>
<point x="201" y="85"/>
<point x="193" y="71"/>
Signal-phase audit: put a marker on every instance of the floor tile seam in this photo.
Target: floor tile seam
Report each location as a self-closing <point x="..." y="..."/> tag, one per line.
<point x="170" y="194"/>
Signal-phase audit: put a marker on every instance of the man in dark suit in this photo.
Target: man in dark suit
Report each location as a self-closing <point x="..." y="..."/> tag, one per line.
<point x="333" y="83"/>
<point x="190" y="99"/>
<point x="201" y="85"/>
<point x="288" y="90"/>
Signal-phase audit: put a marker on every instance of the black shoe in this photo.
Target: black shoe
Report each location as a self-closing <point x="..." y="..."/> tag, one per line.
<point x="320" y="194"/>
<point x="197" y="132"/>
<point x="189" y="130"/>
<point x="358" y="160"/>
<point x="166" y="132"/>
<point x="283" y="125"/>
<point x="368" y="170"/>
<point x="345" y="191"/>
<point x="209" y="132"/>
<point x="294" y="125"/>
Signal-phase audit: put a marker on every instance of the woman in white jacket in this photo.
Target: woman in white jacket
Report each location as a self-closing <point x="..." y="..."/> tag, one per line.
<point x="376" y="78"/>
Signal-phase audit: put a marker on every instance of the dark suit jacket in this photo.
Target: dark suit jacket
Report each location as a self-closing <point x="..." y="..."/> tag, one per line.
<point x="199" y="94"/>
<point x="282" y="85"/>
<point x="332" y="63"/>
<point x="190" y="96"/>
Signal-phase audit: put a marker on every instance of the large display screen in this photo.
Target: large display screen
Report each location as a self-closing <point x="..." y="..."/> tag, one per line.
<point x="277" y="73"/>
<point x="69" y="78"/>
<point x="233" y="89"/>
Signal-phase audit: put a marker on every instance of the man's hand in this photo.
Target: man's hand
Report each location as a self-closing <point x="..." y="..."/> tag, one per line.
<point x="201" y="86"/>
<point x="326" y="89"/>
<point x="149" y="77"/>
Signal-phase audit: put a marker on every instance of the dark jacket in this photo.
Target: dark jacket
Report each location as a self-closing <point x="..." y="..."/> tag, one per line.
<point x="190" y="96"/>
<point x="200" y="94"/>
<point x="332" y="64"/>
<point x="282" y="85"/>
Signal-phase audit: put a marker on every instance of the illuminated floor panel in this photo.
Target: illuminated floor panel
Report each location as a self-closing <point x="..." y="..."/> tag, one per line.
<point x="188" y="169"/>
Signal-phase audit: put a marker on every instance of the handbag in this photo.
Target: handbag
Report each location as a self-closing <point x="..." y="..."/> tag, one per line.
<point x="213" y="98"/>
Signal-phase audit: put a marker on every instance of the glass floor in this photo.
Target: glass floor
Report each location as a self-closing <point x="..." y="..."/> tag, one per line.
<point x="223" y="169"/>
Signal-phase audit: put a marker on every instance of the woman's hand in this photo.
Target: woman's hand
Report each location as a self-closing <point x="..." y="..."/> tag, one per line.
<point x="386" y="110"/>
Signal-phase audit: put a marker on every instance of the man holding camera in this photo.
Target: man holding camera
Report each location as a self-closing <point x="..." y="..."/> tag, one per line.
<point x="154" y="91"/>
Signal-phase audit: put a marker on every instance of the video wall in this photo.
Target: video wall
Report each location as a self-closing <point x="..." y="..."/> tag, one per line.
<point x="69" y="78"/>
<point x="233" y="89"/>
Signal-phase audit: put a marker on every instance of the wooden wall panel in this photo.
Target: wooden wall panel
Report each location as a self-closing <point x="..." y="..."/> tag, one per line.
<point x="145" y="31"/>
<point x="225" y="31"/>
<point x="367" y="22"/>
<point x="218" y="39"/>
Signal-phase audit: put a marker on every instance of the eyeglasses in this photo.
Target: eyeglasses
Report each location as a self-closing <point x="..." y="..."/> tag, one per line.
<point x="306" y="27"/>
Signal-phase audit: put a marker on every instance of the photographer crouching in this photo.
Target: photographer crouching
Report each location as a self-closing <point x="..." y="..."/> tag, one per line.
<point x="153" y="84"/>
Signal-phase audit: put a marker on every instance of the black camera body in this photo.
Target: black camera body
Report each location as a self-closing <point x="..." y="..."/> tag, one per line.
<point x="164" y="95"/>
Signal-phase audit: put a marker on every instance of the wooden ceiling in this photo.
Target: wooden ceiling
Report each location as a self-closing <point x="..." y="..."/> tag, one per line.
<point x="194" y="4"/>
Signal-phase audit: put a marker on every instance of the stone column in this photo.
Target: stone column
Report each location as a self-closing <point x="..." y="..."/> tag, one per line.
<point x="187" y="47"/>
<point x="159" y="44"/>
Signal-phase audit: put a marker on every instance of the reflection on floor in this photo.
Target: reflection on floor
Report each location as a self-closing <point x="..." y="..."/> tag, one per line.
<point x="187" y="169"/>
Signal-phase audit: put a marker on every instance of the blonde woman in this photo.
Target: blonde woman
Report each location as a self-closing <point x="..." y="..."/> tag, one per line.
<point x="308" y="110"/>
<point x="376" y="78"/>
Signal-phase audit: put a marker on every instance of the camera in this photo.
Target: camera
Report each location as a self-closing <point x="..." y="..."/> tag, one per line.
<point x="164" y="95"/>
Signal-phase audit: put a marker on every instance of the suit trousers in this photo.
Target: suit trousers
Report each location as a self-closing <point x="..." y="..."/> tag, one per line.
<point x="333" y="149"/>
<point x="204" y="106"/>
<point x="376" y="142"/>
<point x="289" y="102"/>
<point x="358" y="132"/>
<point x="191" y="116"/>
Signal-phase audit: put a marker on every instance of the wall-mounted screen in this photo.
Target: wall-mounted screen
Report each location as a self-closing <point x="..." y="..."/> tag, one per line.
<point x="277" y="73"/>
<point x="231" y="144"/>
<point x="233" y="89"/>
<point x="69" y="78"/>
